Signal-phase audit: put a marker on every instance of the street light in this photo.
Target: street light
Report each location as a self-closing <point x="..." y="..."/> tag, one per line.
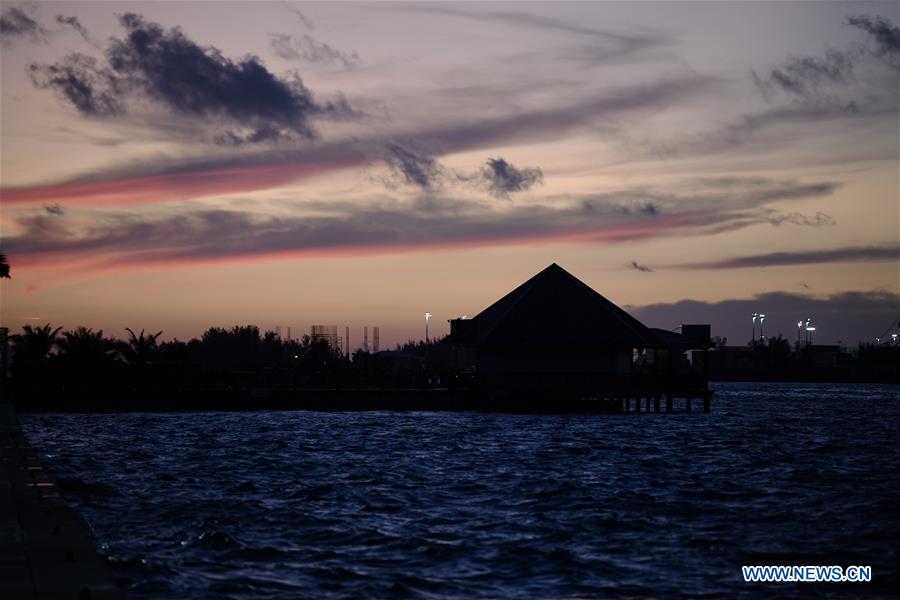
<point x="799" y="329"/>
<point x="761" y="319"/>
<point x="753" y="329"/>
<point x="427" y="318"/>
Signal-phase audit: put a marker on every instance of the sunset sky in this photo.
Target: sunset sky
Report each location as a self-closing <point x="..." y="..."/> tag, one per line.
<point x="181" y="165"/>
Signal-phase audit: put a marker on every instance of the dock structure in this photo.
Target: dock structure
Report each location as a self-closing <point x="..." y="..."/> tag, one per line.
<point x="555" y="335"/>
<point x="44" y="549"/>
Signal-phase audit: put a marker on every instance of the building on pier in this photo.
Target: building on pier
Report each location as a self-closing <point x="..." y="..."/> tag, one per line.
<point x="554" y="334"/>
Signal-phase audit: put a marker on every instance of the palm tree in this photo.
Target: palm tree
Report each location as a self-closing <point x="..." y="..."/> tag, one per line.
<point x="139" y="349"/>
<point x="4" y="266"/>
<point x="84" y="346"/>
<point x="34" y="344"/>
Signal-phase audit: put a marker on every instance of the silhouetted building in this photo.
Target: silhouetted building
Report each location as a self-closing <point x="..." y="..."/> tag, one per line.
<point x="326" y="333"/>
<point x="554" y="332"/>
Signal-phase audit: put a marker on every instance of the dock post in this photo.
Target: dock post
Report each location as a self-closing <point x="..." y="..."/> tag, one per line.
<point x="668" y="402"/>
<point x="706" y="398"/>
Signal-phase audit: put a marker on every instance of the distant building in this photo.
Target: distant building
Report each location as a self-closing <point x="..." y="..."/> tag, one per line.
<point x="326" y="333"/>
<point x="554" y="332"/>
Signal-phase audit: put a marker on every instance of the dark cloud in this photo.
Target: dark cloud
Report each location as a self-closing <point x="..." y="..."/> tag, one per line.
<point x="75" y="24"/>
<point x="639" y="267"/>
<point x="503" y="178"/>
<point x="822" y="79"/>
<point x="414" y="168"/>
<point x="632" y="206"/>
<point x="847" y="316"/>
<point x="304" y="47"/>
<point x="15" y="22"/>
<point x="55" y="209"/>
<point x="885" y="253"/>
<point x="886" y="35"/>
<point x="498" y="177"/>
<point x="166" y="66"/>
<point x="804" y="75"/>
<point x="79" y="80"/>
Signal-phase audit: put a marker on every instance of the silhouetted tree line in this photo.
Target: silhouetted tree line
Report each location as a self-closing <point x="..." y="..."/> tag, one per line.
<point x="79" y="362"/>
<point x="777" y="359"/>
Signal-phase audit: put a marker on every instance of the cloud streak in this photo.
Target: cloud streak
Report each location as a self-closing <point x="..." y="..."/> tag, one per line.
<point x="886" y="253"/>
<point x="639" y="267"/>
<point x="305" y="47"/>
<point x="606" y="44"/>
<point x="429" y="221"/>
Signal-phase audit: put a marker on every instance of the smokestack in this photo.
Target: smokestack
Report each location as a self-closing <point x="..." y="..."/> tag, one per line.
<point x="366" y="338"/>
<point x="347" y="338"/>
<point x="289" y="333"/>
<point x="375" y="334"/>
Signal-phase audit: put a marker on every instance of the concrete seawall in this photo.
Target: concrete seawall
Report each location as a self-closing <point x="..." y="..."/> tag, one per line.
<point x="44" y="549"/>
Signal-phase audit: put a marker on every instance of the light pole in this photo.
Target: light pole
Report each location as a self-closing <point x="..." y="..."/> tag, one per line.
<point x="799" y="329"/>
<point x="427" y="318"/>
<point x="762" y="338"/>
<point x="753" y="329"/>
<point x="809" y="330"/>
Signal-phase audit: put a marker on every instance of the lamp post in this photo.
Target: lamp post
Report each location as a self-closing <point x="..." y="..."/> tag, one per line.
<point x="799" y="329"/>
<point x="753" y="329"/>
<point x="762" y="317"/>
<point x="427" y="318"/>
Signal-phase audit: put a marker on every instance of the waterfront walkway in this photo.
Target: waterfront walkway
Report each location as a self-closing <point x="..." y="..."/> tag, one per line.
<point x="44" y="550"/>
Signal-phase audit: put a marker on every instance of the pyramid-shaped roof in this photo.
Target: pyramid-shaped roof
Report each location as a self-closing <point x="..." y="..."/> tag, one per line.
<point x="554" y="308"/>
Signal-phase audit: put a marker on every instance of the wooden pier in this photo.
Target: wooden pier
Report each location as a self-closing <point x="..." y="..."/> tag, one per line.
<point x="640" y="404"/>
<point x="610" y="401"/>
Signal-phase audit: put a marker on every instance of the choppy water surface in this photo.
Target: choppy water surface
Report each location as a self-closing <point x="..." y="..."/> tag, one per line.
<point x="304" y="504"/>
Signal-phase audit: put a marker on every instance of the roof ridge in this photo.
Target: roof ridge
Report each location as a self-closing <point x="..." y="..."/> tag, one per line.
<point x="515" y="303"/>
<point x="612" y="307"/>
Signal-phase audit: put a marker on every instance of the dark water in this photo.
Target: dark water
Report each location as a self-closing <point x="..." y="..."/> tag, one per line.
<point x="302" y="504"/>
